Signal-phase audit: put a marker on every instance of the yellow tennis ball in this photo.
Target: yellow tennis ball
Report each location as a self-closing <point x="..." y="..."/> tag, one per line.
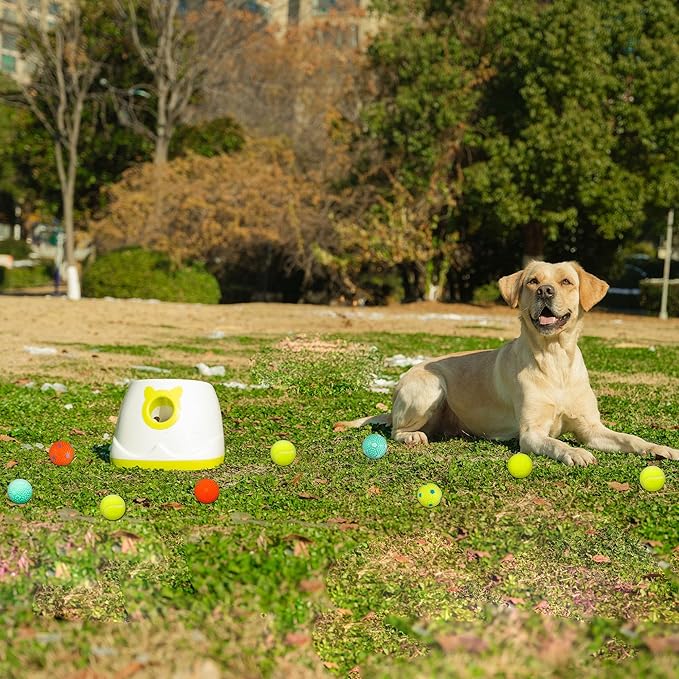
<point x="283" y="452"/>
<point x="652" y="478"/>
<point x="112" y="507"/>
<point x="520" y="465"/>
<point x="429" y="495"/>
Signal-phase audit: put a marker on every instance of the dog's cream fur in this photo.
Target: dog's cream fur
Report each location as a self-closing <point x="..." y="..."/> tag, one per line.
<point x="534" y="388"/>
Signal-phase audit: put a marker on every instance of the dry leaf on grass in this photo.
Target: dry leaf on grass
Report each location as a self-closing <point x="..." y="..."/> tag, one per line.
<point x="601" y="558"/>
<point x="307" y="496"/>
<point x="450" y="643"/>
<point x="312" y="585"/>
<point x="172" y="505"/>
<point x="620" y="487"/>
<point x="297" y="639"/>
<point x="668" y="644"/>
<point x="374" y="490"/>
<point x="11" y="463"/>
<point x="77" y="432"/>
<point x="6" y="438"/>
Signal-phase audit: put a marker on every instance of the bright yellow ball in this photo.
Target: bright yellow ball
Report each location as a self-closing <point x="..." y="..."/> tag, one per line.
<point x="652" y="478"/>
<point x="520" y="465"/>
<point x="429" y="495"/>
<point x="112" y="507"/>
<point x="283" y="452"/>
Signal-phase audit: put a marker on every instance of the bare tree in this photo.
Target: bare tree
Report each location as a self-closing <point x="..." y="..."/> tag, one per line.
<point x="64" y="70"/>
<point x="177" y="46"/>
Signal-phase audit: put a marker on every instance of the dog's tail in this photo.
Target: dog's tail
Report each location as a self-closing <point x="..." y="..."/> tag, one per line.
<point x="385" y="418"/>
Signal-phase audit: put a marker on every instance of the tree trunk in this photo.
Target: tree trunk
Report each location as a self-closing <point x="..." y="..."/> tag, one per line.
<point x="162" y="147"/>
<point x="533" y="243"/>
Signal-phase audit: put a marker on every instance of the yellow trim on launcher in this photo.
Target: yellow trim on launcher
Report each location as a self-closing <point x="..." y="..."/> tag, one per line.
<point x="186" y="465"/>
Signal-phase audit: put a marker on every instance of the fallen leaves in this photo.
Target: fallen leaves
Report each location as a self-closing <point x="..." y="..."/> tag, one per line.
<point x="620" y="487"/>
<point x="601" y="558"/>
<point x="297" y="639"/>
<point x="7" y="438"/>
<point x="450" y="643"/>
<point x="11" y="463"/>
<point x="342" y="523"/>
<point x="669" y="644"/>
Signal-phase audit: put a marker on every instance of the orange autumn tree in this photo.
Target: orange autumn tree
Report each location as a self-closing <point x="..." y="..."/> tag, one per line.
<point x="235" y="212"/>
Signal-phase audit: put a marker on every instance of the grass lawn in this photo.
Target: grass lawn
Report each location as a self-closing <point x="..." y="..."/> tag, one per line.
<point x="330" y="566"/>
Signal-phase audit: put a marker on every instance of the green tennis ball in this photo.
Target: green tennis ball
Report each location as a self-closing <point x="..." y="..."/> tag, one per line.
<point x="112" y="507"/>
<point x="283" y="452"/>
<point x="429" y="495"/>
<point x="652" y="478"/>
<point x="520" y="465"/>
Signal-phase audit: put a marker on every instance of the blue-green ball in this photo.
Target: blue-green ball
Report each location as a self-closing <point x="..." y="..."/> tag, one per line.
<point x="20" y="491"/>
<point x="374" y="446"/>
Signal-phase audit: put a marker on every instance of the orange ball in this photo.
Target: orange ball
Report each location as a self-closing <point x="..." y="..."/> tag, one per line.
<point x="206" y="491"/>
<point x="61" y="453"/>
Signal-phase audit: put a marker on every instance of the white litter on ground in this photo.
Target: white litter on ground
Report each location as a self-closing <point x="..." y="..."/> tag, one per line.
<point x="149" y="369"/>
<point x="382" y="385"/>
<point x="216" y="334"/>
<point x="68" y="406"/>
<point x="56" y="386"/>
<point x="401" y="361"/>
<point x="235" y="384"/>
<point x="40" y="351"/>
<point x="359" y="314"/>
<point x="207" y="371"/>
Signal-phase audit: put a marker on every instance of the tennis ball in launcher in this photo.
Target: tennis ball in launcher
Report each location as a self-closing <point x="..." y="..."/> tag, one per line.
<point x="520" y="465"/>
<point x="61" y="453"/>
<point x="112" y="507"/>
<point x="374" y="446"/>
<point x="19" y="491"/>
<point x="429" y="495"/>
<point x="283" y="452"/>
<point x="652" y="478"/>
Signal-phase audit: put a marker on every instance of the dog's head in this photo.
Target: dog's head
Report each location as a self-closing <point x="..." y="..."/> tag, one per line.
<point x="551" y="296"/>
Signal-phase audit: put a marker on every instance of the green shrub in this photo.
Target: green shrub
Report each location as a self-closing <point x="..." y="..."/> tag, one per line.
<point x="486" y="294"/>
<point x="221" y="135"/>
<point x="25" y="277"/>
<point x="651" y="293"/>
<point x="19" y="249"/>
<point x="134" y="272"/>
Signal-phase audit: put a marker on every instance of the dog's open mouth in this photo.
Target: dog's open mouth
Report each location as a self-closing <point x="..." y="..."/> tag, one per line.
<point x="548" y="322"/>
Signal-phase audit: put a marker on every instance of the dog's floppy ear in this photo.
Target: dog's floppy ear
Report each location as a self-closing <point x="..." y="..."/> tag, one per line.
<point x="510" y="288"/>
<point x="592" y="289"/>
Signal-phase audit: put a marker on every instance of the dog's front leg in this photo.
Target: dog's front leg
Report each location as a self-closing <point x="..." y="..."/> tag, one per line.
<point x="596" y="435"/>
<point x="541" y="443"/>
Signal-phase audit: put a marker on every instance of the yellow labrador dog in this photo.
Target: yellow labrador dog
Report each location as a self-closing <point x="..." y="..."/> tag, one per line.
<point x="534" y="388"/>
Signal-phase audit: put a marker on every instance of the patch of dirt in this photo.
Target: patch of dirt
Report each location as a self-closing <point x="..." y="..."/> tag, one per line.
<point x="67" y="326"/>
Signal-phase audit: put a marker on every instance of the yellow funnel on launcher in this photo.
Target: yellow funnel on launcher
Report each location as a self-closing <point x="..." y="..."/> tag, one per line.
<point x="169" y="424"/>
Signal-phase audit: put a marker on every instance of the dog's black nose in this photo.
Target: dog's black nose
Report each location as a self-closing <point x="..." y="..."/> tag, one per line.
<point x="546" y="291"/>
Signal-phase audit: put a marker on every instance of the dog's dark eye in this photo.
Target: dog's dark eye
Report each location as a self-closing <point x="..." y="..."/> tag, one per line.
<point x="533" y="281"/>
<point x="565" y="281"/>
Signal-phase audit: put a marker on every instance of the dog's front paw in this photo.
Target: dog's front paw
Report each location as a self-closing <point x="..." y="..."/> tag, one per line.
<point x="412" y="438"/>
<point x="664" y="451"/>
<point x="578" y="457"/>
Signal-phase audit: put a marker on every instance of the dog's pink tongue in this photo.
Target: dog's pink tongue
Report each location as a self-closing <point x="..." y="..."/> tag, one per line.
<point x="547" y="320"/>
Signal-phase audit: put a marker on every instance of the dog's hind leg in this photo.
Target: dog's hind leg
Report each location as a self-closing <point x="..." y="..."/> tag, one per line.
<point x="417" y="407"/>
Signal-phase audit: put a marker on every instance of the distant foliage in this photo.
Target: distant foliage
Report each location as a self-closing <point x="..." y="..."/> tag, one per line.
<point x="211" y="138"/>
<point x="651" y="293"/>
<point x="25" y="277"/>
<point x="240" y="215"/>
<point x="133" y="272"/>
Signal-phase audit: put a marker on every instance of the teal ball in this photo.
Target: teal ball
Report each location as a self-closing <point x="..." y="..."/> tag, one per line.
<point x="374" y="446"/>
<point x="20" y="491"/>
